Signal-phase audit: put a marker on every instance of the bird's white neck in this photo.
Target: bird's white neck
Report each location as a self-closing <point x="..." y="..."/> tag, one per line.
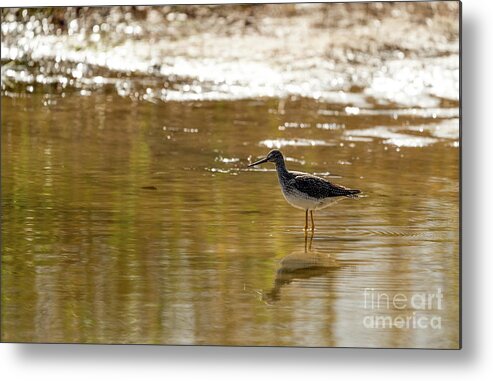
<point x="282" y="171"/>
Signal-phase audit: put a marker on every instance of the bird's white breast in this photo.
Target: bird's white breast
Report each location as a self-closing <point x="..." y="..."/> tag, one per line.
<point x="302" y="201"/>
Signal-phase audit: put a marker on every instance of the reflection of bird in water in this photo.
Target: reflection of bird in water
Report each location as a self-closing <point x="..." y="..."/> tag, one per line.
<point x="303" y="190"/>
<point x="302" y="264"/>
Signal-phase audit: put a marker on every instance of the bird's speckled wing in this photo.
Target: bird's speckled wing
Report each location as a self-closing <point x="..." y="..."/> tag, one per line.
<point x="317" y="187"/>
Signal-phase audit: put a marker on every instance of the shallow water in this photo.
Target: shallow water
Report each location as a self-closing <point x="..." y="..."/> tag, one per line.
<point x="135" y="222"/>
<point x="129" y="214"/>
<point x="404" y="55"/>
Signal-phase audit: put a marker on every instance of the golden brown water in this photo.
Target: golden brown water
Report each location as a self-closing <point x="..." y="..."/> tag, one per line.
<point x="129" y="214"/>
<point x="135" y="222"/>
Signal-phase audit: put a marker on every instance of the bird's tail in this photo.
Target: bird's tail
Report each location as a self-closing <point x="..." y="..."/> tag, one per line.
<point x="353" y="193"/>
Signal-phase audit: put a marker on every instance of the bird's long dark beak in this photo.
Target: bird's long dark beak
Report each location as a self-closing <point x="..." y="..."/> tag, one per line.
<point x="258" y="162"/>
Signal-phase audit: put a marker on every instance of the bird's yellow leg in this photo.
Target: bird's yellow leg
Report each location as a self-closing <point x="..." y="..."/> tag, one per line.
<point x="311" y="240"/>
<point x="313" y="223"/>
<point x="306" y="220"/>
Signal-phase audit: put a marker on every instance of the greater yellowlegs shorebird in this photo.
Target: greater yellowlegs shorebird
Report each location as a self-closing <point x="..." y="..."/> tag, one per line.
<point x="305" y="191"/>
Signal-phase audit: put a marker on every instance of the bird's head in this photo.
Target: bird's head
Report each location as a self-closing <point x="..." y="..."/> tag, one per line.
<point x="274" y="156"/>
